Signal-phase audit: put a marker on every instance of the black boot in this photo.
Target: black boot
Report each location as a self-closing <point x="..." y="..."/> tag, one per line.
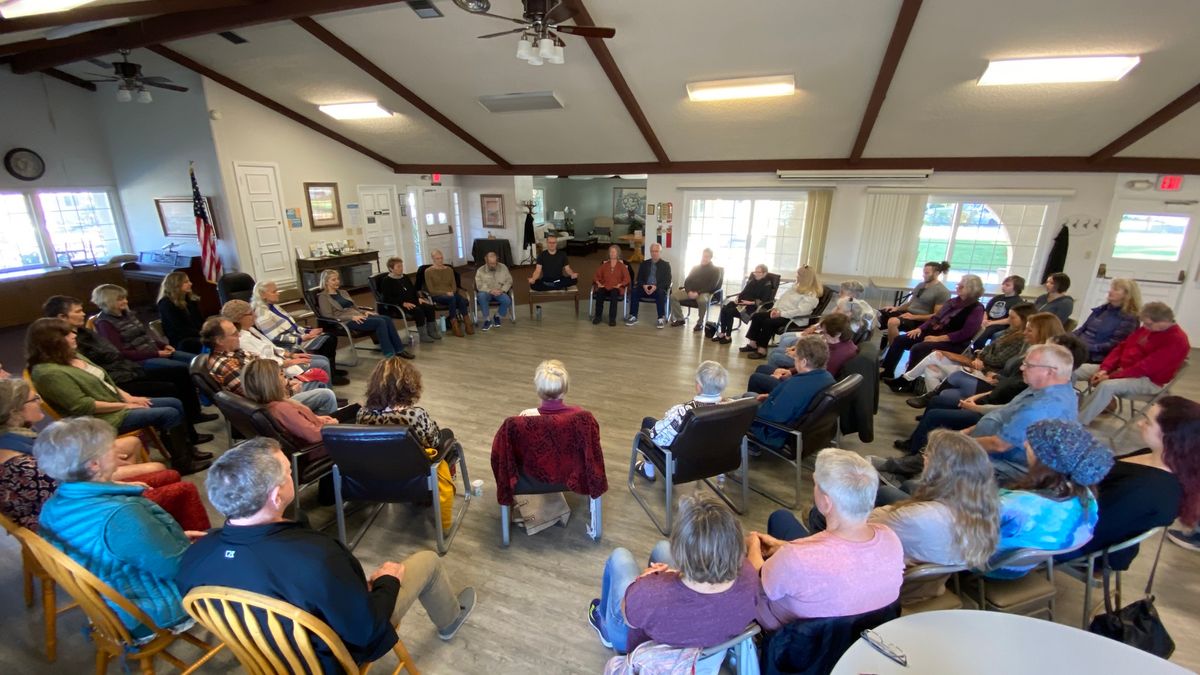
<point x="196" y="438"/>
<point x="184" y="457"/>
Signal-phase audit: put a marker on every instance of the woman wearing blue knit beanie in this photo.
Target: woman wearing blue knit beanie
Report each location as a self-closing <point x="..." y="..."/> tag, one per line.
<point x="1053" y="508"/>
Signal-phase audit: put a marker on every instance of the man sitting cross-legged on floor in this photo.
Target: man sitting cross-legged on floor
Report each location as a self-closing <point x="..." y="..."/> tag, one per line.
<point x="653" y="281"/>
<point x="1047" y="370"/>
<point x="227" y="360"/>
<point x="711" y="378"/>
<point x="261" y="552"/>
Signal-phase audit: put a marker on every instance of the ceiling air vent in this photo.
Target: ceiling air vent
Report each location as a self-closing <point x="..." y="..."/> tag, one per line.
<point x="233" y="37"/>
<point x="521" y="102"/>
<point x="425" y="9"/>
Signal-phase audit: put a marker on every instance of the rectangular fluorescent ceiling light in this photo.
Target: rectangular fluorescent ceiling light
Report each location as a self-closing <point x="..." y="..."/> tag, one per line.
<point x="1058" y="70"/>
<point x="355" y="111"/>
<point x="856" y="175"/>
<point x="745" y="87"/>
<point x="521" y="102"/>
<point x="16" y="8"/>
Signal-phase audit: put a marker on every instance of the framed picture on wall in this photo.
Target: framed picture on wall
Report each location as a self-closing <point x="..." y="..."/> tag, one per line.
<point x="629" y="207"/>
<point x="492" y="207"/>
<point x="324" y="206"/>
<point x="178" y="218"/>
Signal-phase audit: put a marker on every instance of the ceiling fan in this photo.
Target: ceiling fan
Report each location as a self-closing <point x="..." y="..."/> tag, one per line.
<point x="130" y="79"/>
<point x="540" y="24"/>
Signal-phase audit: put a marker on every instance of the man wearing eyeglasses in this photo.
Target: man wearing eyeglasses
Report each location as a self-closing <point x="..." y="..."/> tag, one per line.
<point x="1047" y="370"/>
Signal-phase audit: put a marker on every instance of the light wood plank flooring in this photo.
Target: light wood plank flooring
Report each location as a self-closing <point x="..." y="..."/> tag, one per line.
<point x="533" y="595"/>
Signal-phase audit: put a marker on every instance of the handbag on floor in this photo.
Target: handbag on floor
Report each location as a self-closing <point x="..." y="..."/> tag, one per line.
<point x="1138" y="624"/>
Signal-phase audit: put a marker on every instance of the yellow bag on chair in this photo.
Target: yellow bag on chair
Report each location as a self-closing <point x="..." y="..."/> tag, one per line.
<point x="445" y="491"/>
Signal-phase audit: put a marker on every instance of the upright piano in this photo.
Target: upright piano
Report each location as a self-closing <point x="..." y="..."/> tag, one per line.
<point x="152" y="267"/>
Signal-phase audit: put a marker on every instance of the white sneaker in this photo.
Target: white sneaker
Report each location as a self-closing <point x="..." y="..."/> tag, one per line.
<point x="661" y="323"/>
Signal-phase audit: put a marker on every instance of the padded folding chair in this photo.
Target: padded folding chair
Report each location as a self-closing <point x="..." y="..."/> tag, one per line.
<point x="816" y="429"/>
<point x="1146" y="400"/>
<point x="1084" y="569"/>
<point x="512" y="308"/>
<point x="1030" y="594"/>
<point x="233" y="615"/>
<point x="386" y="465"/>
<point x="929" y="574"/>
<point x="235" y="286"/>
<point x="335" y="327"/>
<point x="738" y="652"/>
<point x="386" y="308"/>
<point x="710" y="443"/>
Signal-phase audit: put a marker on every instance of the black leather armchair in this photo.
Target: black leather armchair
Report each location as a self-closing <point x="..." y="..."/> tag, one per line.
<point x="710" y="443"/>
<point x="816" y="429"/>
<point x="235" y="286"/>
<point x="384" y="464"/>
<point x="387" y="308"/>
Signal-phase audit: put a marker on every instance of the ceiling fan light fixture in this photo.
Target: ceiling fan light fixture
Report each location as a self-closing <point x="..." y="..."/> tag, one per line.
<point x="546" y="49"/>
<point x="144" y="96"/>
<point x="741" y="88"/>
<point x="363" y="110"/>
<point x="535" y="58"/>
<point x="474" y="6"/>
<point x="124" y="95"/>
<point x="524" y="49"/>
<point x="559" y="57"/>
<point x="1058" y="70"/>
<point x="17" y="8"/>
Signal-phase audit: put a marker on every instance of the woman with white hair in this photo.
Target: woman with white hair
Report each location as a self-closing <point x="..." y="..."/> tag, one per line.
<point x="128" y="334"/>
<point x="551" y="382"/>
<point x="282" y="329"/>
<point x="951" y="329"/>
<point x="862" y="314"/>
<point x="853" y="567"/>
<point x="110" y="528"/>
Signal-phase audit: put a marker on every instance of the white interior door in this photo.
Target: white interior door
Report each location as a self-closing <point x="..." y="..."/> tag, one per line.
<point x="434" y="221"/>
<point x="262" y="213"/>
<point x="379" y="220"/>
<point x="1152" y="243"/>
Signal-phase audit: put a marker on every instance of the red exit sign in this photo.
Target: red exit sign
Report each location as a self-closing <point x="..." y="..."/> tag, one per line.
<point x="1170" y="183"/>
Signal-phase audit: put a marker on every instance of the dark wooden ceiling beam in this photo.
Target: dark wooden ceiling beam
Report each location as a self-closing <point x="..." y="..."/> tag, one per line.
<point x="70" y="79"/>
<point x="125" y="10"/>
<point x="887" y="70"/>
<point x="179" y="26"/>
<point x="944" y="164"/>
<point x="609" y="66"/>
<point x="168" y="53"/>
<point x="367" y="66"/>
<point x="1164" y="114"/>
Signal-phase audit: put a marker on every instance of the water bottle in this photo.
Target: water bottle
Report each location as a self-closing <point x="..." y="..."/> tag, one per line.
<point x="721" y="482"/>
<point x="477" y="487"/>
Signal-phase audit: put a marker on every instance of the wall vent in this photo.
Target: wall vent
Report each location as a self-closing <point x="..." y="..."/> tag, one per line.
<point x="233" y="37"/>
<point x="425" y="9"/>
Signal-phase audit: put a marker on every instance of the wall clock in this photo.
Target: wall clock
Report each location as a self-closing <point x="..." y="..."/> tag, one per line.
<point x="24" y="164"/>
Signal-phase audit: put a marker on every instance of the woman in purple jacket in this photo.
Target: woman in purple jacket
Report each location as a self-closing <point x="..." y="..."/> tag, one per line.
<point x="1109" y="324"/>
<point x="951" y="330"/>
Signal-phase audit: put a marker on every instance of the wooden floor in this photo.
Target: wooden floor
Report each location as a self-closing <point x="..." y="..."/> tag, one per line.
<point x="533" y="595"/>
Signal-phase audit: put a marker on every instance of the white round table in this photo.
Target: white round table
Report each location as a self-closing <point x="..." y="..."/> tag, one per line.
<point x="960" y="641"/>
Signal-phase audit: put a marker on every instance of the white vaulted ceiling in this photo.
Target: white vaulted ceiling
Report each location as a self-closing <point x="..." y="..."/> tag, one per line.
<point x="833" y="49"/>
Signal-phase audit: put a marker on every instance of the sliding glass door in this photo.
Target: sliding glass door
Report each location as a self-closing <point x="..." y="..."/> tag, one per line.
<point x="745" y="230"/>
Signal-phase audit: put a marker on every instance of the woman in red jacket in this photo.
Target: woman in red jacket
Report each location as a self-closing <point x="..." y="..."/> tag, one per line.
<point x="1142" y="364"/>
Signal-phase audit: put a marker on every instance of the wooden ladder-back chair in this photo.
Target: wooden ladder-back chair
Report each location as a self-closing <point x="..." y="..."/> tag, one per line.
<point x="230" y="614"/>
<point x="31" y="569"/>
<point x="108" y="633"/>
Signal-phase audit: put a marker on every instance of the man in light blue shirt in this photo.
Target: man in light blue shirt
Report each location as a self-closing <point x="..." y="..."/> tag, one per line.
<point x="1047" y="370"/>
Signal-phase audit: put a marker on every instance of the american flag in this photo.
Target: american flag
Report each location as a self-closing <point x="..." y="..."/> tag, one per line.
<point x="209" y="259"/>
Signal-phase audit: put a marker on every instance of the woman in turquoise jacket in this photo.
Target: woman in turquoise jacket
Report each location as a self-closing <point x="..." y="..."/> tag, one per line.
<point x="126" y="540"/>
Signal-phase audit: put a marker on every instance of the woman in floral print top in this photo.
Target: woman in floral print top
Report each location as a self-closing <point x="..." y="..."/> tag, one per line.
<point x="392" y="392"/>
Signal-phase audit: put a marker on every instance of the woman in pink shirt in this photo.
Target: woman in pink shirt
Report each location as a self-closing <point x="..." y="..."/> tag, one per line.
<point x="264" y="383"/>
<point x="851" y="568"/>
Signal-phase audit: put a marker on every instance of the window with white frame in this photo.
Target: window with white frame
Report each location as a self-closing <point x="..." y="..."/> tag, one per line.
<point x="745" y="230"/>
<point x="45" y="227"/>
<point x="989" y="237"/>
<point x="539" y="205"/>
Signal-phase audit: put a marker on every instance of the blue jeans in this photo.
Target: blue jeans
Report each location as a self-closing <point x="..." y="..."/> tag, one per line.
<point x="385" y="331"/>
<point x="783" y="524"/>
<point x="483" y="298"/>
<point x="778" y="357"/>
<point x="940" y="419"/>
<point x="163" y="414"/>
<point x="660" y="301"/>
<point x="620" y="570"/>
<point x="177" y="359"/>
<point x="957" y="387"/>
<point x="456" y="303"/>
<point x="320" y="401"/>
